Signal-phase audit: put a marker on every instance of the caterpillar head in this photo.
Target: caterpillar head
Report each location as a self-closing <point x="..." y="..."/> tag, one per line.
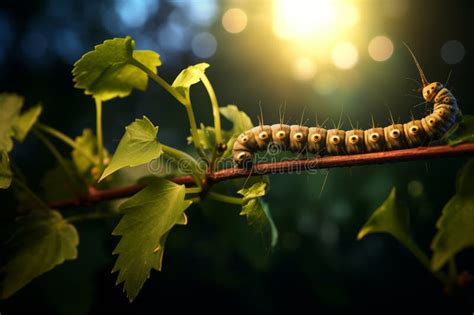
<point x="429" y="90"/>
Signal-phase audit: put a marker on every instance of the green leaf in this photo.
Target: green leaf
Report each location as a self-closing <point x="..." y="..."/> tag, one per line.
<point x="388" y="218"/>
<point x="257" y="212"/>
<point x="137" y="146"/>
<point x="23" y="124"/>
<point x="44" y="240"/>
<point x="464" y="131"/>
<point x="107" y="72"/>
<point x="10" y="106"/>
<point x="207" y="137"/>
<point x="6" y="174"/>
<point x="148" y="217"/>
<point x="189" y="76"/>
<point x="61" y="181"/>
<point x="88" y="143"/>
<point x="456" y="224"/>
<point x="241" y="122"/>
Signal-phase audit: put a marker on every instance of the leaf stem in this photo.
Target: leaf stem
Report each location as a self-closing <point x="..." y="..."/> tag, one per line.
<point x="193" y="190"/>
<point x="34" y="196"/>
<point x="91" y="216"/>
<point x="100" y="142"/>
<point x="193" y="126"/>
<point x="17" y="171"/>
<point x="159" y="80"/>
<point x="425" y="261"/>
<point x="185" y="100"/>
<point x="215" y="108"/>
<point x="225" y="198"/>
<point x="194" y="200"/>
<point x="67" y="140"/>
<point x="452" y="269"/>
<point x="59" y="158"/>
<point x="179" y="155"/>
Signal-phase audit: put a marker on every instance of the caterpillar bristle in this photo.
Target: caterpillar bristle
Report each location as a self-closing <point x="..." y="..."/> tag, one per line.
<point x="319" y="140"/>
<point x="424" y="81"/>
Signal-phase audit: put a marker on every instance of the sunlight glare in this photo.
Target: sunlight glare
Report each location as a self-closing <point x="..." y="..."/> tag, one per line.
<point x="345" y="55"/>
<point x="304" y="69"/>
<point x="312" y="19"/>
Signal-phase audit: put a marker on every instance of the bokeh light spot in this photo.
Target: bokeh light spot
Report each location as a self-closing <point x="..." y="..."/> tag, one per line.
<point x="345" y="55"/>
<point x="68" y="45"/>
<point x="453" y="52"/>
<point x="135" y="13"/>
<point x="234" y="20"/>
<point x="34" y="45"/>
<point x="415" y="188"/>
<point x="204" y="45"/>
<point x="304" y="69"/>
<point x="380" y="48"/>
<point x="199" y="12"/>
<point x="173" y="37"/>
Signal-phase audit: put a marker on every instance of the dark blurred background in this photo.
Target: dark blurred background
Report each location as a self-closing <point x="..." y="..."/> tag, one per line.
<point x="325" y="56"/>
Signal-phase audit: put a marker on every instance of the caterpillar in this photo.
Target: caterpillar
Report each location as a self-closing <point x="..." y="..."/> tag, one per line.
<point x="321" y="141"/>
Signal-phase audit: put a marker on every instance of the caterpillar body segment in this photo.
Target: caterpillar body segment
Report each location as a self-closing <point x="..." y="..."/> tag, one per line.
<point x="317" y="140"/>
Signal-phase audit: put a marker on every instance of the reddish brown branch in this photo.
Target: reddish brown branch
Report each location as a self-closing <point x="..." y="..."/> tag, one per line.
<point x="95" y="195"/>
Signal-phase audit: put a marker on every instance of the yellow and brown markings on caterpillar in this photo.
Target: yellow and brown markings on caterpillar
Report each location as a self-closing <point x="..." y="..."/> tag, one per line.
<point x="318" y="140"/>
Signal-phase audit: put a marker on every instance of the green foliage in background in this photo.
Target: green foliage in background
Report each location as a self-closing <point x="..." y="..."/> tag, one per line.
<point x="46" y="237"/>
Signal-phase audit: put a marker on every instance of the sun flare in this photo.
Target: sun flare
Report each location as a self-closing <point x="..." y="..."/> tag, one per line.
<point x="313" y="19"/>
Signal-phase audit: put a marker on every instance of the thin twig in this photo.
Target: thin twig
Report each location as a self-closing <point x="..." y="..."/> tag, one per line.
<point x="420" y="153"/>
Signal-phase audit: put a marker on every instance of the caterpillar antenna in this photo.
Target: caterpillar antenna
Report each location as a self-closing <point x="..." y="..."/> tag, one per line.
<point x="339" y="125"/>
<point x="449" y="77"/>
<point x="324" y="183"/>
<point x="391" y="116"/>
<point x="414" y="80"/>
<point x="350" y="121"/>
<point x="424" y="81"/>
<point x="324" y="122"/>
<point x="261" y="112"/>
<point x="302" y="116"/>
